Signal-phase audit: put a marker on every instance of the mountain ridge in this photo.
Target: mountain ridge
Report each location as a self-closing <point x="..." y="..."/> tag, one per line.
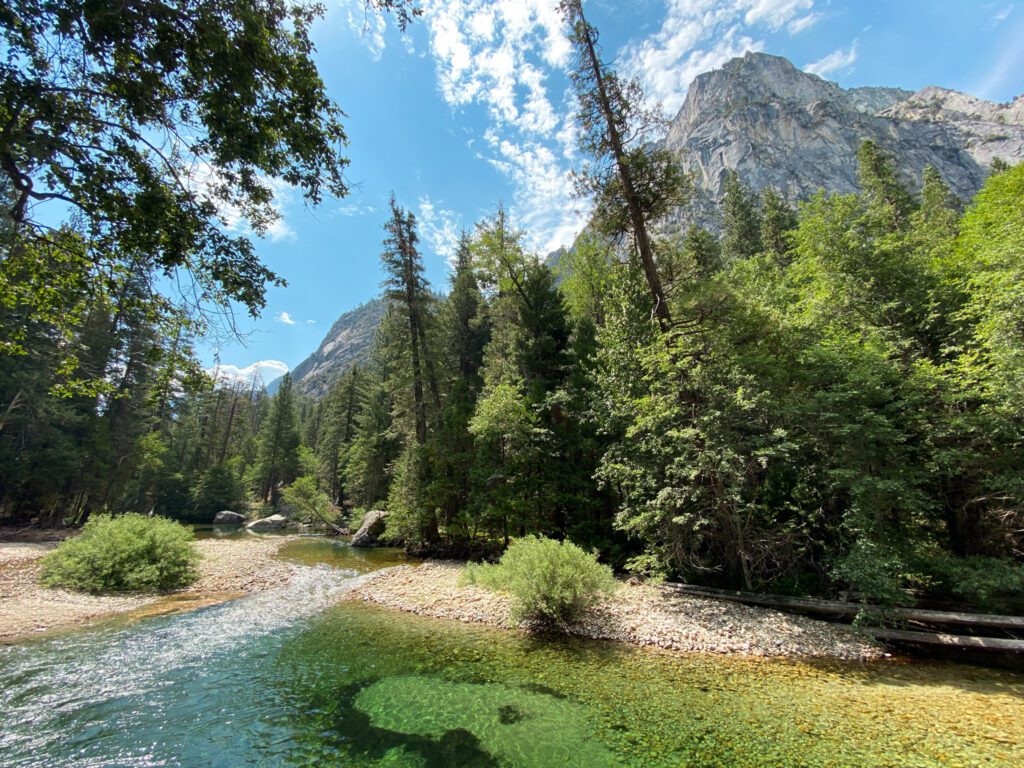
<point x="345" y="344"/>
<point x="778" y="126"/>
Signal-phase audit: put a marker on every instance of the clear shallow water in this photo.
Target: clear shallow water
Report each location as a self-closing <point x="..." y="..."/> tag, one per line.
<point x="320" y="550"/>
<point x="288" y="678"/>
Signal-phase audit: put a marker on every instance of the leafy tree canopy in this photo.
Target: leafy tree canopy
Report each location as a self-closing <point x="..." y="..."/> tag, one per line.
<point x="160" y="124"/>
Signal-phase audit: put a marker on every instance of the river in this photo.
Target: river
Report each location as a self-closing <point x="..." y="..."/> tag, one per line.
<point x="292" y="677"/>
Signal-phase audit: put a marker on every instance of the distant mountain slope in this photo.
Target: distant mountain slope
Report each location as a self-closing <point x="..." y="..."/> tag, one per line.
<point x="777" y="126"/>
<point x="346" y="343"/>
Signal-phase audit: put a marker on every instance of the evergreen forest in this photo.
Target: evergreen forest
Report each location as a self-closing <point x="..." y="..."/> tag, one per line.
<point x="820" y="399"/>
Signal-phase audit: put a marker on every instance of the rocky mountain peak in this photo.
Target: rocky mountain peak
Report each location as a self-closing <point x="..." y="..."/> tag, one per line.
<point x="347" y="343"/>
<point x="776" y="126"/>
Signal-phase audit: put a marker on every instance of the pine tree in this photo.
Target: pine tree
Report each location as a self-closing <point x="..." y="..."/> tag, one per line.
<point x="888" y="199"/>
<point x="338" y="431"/>
<point x="406" y="286"/>
<point x="777" y="219"/>
<point x="466" y="326"/>
<point x="279" y="443"/>
<point x="741" y="220"/>
<point x="703" y="251"/>
<point x="634" y="184"/>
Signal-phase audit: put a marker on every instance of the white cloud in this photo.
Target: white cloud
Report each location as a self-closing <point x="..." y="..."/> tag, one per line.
<point x="204" y="180"/>
<point x="839" y="60"/>
<point x="311" y="322"/>
<point x="284" y="317"/>
<point x="353" y="209"/>
<point x="803" y="23"/>
<point x="698" y="35"/>
<point x="498" y="55"/>
<point x="1001" y="15"/>
<point x="439" y="228"/>
<point x="774" y="13"/>
<point x="490" y="53"/>
<point x="538" y="174"/>
<point x="264" y="371"/>
<point x="369" y="24"/>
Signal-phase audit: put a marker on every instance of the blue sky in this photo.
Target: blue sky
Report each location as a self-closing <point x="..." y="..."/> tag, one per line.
<point x="472" y="107"/>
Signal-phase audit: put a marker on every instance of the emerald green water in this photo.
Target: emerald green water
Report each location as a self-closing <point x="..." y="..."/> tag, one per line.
<point x="294" y="678"/>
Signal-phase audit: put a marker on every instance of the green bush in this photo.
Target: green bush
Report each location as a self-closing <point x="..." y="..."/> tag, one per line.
<point x="219" y="489"/>
<point x="310" y="504"/>
<point x="550" y="582"/>
<point x="983" y="583"/>
<point x="130" y="553"/>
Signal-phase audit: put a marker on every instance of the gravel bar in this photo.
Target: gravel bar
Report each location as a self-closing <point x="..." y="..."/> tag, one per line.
<point x="227" y="569"/>
<point x="639" y="614"/>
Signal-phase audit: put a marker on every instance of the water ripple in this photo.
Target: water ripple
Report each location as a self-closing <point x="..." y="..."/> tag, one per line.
<point x="81" y="689"/>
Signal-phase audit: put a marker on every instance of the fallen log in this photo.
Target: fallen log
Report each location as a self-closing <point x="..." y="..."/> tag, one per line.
<point x="940" y="638"/>
<point x="839" y="608"/>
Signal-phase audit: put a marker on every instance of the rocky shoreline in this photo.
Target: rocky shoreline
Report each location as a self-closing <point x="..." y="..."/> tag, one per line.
<point x="639" y="614"/>
<point x="227" y="569"/>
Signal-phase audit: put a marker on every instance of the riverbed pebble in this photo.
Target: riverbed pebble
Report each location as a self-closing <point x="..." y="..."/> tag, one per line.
<point x="640" y="614"/>
<point x="226" y="567"/>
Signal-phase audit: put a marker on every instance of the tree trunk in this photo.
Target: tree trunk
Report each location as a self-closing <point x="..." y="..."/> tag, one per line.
<point x="641" y="238"/>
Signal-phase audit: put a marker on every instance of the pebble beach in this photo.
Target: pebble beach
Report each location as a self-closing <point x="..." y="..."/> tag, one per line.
<point x="226" y="569"/>
<point x="640" y="614"/>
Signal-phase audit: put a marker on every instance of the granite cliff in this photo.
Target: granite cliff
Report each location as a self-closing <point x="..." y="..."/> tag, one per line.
<point x="346" y="344"/>
<point x="777" y="126"/>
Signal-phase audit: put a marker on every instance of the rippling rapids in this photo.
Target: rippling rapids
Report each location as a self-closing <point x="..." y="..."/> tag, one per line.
<point x="291" y="677"/>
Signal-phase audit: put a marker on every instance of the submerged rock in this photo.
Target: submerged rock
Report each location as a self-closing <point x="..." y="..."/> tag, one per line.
<point x="272" y="523"/>
<point x="227" y="517"/>
<point x="485" y="723"/>
<point x="371" y="530"/>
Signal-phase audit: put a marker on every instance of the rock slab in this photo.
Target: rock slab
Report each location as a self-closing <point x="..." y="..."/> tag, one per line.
<point x="779" y="127"/>
<point x="226" y="517"/>
<point x="272" y="523"/>
<point x="372" y="528"/>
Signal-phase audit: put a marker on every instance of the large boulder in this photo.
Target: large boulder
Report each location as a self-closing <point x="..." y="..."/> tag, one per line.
<point x="370" y="531"/>
<point x="272" y="523"/>
<point x="226" y="517"/>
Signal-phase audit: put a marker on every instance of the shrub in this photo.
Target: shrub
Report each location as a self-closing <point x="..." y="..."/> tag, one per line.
<point x="549" y="582"/>
<point x="218" y="489"/>
<point x="983" y="583"/>
<point x="130" y="553"/>
<point x="310" y="504"/>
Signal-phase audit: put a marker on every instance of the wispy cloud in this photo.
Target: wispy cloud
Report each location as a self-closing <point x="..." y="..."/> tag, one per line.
<point x="840" y="60"/>
<point x="284" y="317"/>
<point x="485" y="51"/>
<point x="439" y="228"/>
<point x="773" y="13"/>
<point x="210" y="185"/>
<point x="354" y="209"/>
<point x="697" y="36"/>
<point x="1000" y="15"/>
<point x="369" y="24"/>
<point x="539" y="174"/>
<point x="803" y="23"/>
<point x="263" y="371"/>
<point x="499" y="56"/>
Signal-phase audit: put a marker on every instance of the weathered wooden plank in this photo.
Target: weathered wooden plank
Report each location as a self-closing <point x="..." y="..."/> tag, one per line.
<point x="838" y="608"/>
<point x="940" y="638"/>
